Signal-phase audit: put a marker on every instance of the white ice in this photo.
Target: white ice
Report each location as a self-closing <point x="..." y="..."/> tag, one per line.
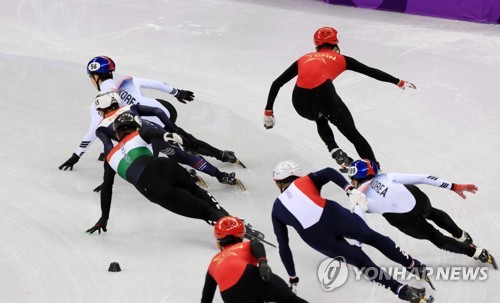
<point x="228" y="53"/>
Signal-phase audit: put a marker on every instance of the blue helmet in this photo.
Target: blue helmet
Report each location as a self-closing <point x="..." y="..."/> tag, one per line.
<point x="361" y="169"/>
<point x="100" y="65"/>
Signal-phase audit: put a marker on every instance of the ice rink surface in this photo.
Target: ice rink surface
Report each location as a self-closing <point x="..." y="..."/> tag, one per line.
<point x="228" y="53"/>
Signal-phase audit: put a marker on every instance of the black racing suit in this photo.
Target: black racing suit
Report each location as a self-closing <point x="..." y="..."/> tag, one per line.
<point x="164" y="182"/>
<point x="322" y="104"/>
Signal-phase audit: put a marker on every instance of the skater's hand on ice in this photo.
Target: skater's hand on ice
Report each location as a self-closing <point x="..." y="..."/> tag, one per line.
<point x="101" y="224"/>
<point x="70" y="162"/>
<point x="405" y="84"/>
<point x="98" y="188"/>
<point x="264" y="270"/>
<point x="293" y="284"/>
<point x="357" y="198"/>
<point x="460" y="188"/>
<point x="269" y="120"/>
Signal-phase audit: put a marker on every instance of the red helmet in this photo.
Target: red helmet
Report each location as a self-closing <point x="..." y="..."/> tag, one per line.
<point x="229" y="226"/>
<point x="326" y="35"/>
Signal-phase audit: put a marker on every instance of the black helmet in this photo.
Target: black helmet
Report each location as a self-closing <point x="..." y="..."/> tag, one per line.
<point x="127" y="120"/>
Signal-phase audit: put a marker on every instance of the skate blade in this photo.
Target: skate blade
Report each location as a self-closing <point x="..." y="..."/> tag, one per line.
<point x="492" y="261"/>
<point x="430" y="283"/>
<point x="241" y="163"/>
<point x="240" y="185"/>
<point x="202" y="182"/>
<point x="250" y="237"/>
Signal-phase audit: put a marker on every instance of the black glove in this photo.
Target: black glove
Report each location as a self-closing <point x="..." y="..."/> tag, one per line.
<point x="264" y="270"/>
<point x="184" y="95"/>
<point x="101" y="157"/>
<point x="70" y="162"/>
<point x="98" y="188"/>
<point x="101" y="224"/>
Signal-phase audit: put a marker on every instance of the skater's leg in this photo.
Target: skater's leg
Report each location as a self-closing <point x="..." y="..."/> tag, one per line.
<point x="167" y="184"/>
<point x="416" y="226"/>
<point x="335" y="246"/>
<point x="344" y="121"/>
<point x="326" y="133"/>
<point x="423" y="207"/>
<point x="202" y="194"/>
<point x="195" y="161"/>
<point x="352" y="226"/>
<point x="198" y="146"/>
<point x="444" y="221"/>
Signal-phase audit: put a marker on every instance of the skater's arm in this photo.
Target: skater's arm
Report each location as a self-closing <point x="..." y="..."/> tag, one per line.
<point x="354" y="65"/>
<point x="434" y="181"/>
<point x="287" y="75"/>
<point x="209" y="288"/>
<point x="155" y="111"/>
<point x="420" y="179"/>
<point x="107" y="190"/>
<point x="286" y="256"/>
<point x="258" y="250"/>
<point x="89" y="138"/>
<point x="326" y="175"/>
<point x="105" y="139"/>
<point x="154" y="84"/>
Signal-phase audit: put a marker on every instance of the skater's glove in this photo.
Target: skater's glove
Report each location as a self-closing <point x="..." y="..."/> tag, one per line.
<point x="348" y="189"/>
<point x="264" y="270"/>
<point x="184" y="95"/>
<point x="293" y="284"/>
<point x="269" y="120"/>
<point x="100" y="225"/>
<point x="405" y="84"/>
<point x="101" y="157"/>
<point x="173" y="138"/>
<point x="460" y="188"/>
<point x="357" y="198"/>
<point x="70" y="162"/>
<point x="98" y="188"/>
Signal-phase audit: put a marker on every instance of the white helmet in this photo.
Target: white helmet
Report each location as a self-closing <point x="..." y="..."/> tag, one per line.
<point x="286" y="169"/>
<point x="106" y="99"/>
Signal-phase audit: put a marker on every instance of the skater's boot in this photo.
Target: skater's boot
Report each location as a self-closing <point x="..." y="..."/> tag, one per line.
<point x="193" y="174"/>
<point x="341" y="157"/>
<point x="466" y="238"/>
<point x="420" y="270"/>
<point x="413" y="295"/>
<point x="227" y="156"/>
<point x="484" y="256"/>
<point x="226" y="178"/>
